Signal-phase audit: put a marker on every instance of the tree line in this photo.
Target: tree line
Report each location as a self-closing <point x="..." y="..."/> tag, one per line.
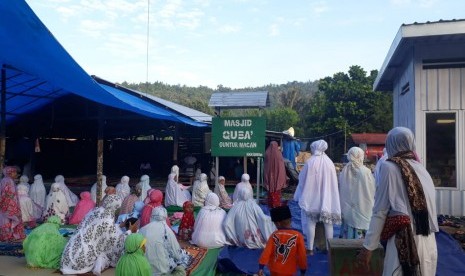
<point x="330" y="108"/>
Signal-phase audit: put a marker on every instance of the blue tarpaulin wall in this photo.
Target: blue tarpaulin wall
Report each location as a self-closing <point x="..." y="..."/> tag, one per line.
<point x="38" y="70"/>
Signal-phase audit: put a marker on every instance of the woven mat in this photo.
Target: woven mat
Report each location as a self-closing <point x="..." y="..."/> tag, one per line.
<point x="11" y="249"/>
<point x="198" y="254"/>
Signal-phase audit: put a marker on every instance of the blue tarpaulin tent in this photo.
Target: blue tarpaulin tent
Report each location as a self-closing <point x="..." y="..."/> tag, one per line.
<point x="37" y="70"/>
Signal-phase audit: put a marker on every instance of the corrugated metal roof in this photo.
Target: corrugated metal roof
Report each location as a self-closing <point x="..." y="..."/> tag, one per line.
<point x="240" y="99"/>
<point x="407" y="36"/>
<point x="180" y="109"/>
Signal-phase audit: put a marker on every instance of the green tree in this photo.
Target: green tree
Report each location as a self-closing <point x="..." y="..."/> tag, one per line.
<point x="281" y="118"/>
<point x="346" y="103"/>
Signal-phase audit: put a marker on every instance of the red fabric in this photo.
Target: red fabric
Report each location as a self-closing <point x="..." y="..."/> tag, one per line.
<point x="156" y="199"/>
<point x="275" y="172"/>
<point x="187" y="222"/>
<point x="392" y="225"/>
<point x="11" y="224"/>
<point x="284" y="252"/>
<point x="82" y="208"/>
<point x="274" y="199"/>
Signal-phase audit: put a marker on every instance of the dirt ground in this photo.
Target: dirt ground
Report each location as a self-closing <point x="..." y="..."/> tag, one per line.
<point x="16" y="266"/>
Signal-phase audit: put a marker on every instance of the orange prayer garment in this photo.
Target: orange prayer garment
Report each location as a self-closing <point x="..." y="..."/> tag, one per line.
<point x="284" y="253"/>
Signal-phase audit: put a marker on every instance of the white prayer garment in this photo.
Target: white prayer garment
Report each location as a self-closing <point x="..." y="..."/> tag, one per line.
<point x="97" y="243"/>
<point x="29" y="210"/>
<point x="162" y="248"/>
<point x="70" y="196"/>
<point x="57" y="205"/>
<point x="357" y="191"/>
<point x="175" y="195"/>
<point x="200" y="190"/>
<point x="37" y="192"/>
<point x="145" y="185"/>
<point x="246" y="225"/>
<point x="245" y="182"/>
<point x="317" y="192"/>
<point x="208" y="227"/>
<point x="123" y="189"/>
<point x="391" y="199"/>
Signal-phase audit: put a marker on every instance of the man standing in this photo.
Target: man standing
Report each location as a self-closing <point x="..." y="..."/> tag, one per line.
<point x="291" y="146"/>
<point x="404" y="213"/>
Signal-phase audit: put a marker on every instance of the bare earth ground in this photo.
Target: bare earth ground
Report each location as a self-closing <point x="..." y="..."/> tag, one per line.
<point x="16" y="266"/>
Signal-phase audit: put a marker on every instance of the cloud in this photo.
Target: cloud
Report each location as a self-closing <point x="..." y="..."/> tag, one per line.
<point x="190" y="19"/>
<point x="319" y="7"/>
<point x="228" y="29"/>
<point x="68" y="11"/>
<point x="420" y="3"/>
<point x="94" y="28"/>
<point x="273" y="30"/>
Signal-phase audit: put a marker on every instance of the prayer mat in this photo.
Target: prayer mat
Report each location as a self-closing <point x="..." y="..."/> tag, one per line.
<point x="207" y="267"/>
<point x="197" y="255"/>
<point x="11" y="249"/>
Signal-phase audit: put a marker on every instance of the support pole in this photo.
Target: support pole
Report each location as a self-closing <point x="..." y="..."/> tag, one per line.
<point x="217" y="168"/>
<point x="175" y="143"/>
<point x="3" y="121"/>
<point x="258" y="179"/>
<point x="100" y="155"/>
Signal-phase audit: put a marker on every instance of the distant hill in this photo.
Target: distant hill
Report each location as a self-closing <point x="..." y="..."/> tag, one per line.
<point x="198" y="97"/>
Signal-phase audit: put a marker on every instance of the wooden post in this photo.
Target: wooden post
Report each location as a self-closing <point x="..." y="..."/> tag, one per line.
<point x="3" y="121"/>
<point x="100" y="155"/>
<point x="175" y="143"/>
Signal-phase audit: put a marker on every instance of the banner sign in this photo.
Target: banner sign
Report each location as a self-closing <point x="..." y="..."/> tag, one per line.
<point x="238" y="136"/>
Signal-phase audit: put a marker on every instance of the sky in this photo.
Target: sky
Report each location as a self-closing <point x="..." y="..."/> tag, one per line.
<point x="234" y="43"/>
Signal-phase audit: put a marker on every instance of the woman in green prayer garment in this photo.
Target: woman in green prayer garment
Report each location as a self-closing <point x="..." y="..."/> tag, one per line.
<point x="133" y="262"/>
<point x="44" y="245"/>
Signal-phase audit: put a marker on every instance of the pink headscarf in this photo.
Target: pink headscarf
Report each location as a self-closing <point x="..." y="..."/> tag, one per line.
<point x="275" y="172"/>
<point x="8" y="171"/>
<point x="155" y="199"/>
<point x="82" y="208"/>
<point x="147" y="199"/>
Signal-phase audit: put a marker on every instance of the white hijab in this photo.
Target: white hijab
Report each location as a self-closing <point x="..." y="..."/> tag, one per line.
<point x="37" y="191"/>
<point x="93" y="190"/>
<point x="56" y="203"/>
<point x="71" y="198"/>
<point x="25" y="181"/>
<point x="175" y="170"/>
<point x="246" y="225"/>
<point x="97" y="243"/>
<point x="174" y="195"/>
<point x="245" y="182"/>
<point x="200" y="190"/>
<point x="123" y="189"/>
<point x="145" y="185"/>
<point x="220" y="191"/>
<point x="162" y="248"/>
<point x="357" y="190"/>
<point x="317" y="192"/>
<point x="208" y="227"/>
<point x="29" y="211"/>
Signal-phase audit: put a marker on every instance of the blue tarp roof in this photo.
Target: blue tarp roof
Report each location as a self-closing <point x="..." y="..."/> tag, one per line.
<point x="39" y="70"/>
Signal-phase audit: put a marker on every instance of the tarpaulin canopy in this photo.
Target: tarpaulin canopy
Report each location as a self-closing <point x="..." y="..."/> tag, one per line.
<point x="37" y="70"/>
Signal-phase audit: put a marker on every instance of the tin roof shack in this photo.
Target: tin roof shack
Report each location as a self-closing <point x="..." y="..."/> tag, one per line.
<point x="425" y="70"/>
<point x="371" y="143"/>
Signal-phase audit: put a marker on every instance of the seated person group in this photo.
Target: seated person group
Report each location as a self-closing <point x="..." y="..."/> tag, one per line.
<point x="129" y="229"/>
